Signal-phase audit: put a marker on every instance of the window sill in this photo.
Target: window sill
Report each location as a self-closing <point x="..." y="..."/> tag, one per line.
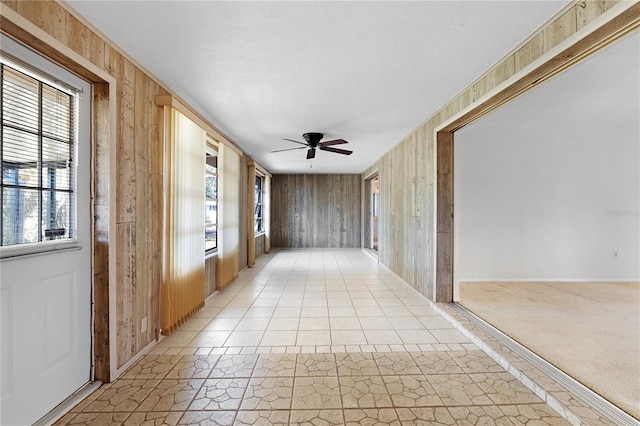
<point x="210" y="254"/>
<point x="259" y="234"/>
<point x="36" y="249"/>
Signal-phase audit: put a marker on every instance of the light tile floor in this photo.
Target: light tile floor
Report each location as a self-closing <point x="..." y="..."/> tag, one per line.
<point x="315" y="337"/>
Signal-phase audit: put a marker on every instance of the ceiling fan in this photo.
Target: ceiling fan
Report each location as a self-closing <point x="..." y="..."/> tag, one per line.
<point x="313" y="143"/>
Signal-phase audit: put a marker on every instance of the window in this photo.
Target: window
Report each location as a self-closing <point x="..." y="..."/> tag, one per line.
<point x="37" y="150"/>
<point x="211" y="201"/>
<point x="259" y="225"/>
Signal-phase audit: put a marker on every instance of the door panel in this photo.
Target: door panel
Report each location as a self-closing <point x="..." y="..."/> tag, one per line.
<point x="6" y="328"/>
<point x="45" y="296"/>
<point x="46" y="335"/>
<point x="58" y="326"/>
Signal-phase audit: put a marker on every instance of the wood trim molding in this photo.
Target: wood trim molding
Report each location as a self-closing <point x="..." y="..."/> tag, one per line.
<point x="259" y="168"/>
<point x="613" y="25"/>
<point x="444" y="218"/>
<point x="566" y="8"/>
<point x="170" y="100"/>
<point x="15" y="25"/>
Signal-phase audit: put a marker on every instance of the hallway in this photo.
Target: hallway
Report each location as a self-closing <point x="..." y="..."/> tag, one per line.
<point x="315" y="337"/>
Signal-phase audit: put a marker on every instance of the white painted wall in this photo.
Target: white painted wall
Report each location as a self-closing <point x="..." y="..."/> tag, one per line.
<point x="548" y="187"/>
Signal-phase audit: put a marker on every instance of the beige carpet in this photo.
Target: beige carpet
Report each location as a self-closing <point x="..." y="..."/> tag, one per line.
<point x="591" y="331"/>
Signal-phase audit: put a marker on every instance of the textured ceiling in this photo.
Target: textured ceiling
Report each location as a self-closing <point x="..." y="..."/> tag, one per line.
<point x="367" y="72"/>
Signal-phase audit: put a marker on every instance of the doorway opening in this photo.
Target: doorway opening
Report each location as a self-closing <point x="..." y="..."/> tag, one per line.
<point x="372" y="209"/>
<point x="546" y="250"/>
<point x="375" y="230"/>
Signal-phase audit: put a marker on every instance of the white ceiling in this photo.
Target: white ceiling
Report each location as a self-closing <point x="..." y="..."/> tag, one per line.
<point x="368" y="72"/>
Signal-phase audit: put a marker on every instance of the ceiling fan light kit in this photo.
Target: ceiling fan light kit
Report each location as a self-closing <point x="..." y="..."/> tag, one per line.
<point x="313" y="142"/>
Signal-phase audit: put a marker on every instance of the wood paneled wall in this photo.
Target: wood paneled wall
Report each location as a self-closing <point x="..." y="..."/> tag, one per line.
<point x="210" y="275"/>
<point x="408" y="208"/>
<point x="101" y="234"/>
<point x="139" y="188"/>
<point x="316" y="210"/>
<point x="260" y="245"/>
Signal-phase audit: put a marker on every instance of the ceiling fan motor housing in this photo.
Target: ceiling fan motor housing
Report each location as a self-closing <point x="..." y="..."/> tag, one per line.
<point x="313" y="138"/>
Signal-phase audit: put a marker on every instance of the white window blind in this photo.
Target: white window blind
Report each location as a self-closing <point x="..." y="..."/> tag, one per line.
<point x="37" y="150"/>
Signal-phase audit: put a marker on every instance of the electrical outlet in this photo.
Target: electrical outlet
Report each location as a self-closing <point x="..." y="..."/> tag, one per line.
<point x="143" y="325"/>
<point x="615" y="253"/>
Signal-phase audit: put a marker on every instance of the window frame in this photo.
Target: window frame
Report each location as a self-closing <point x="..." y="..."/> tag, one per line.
<point x="24" y="60"/>
<point x="258" y="202"/>
<point x="211" y="151"/>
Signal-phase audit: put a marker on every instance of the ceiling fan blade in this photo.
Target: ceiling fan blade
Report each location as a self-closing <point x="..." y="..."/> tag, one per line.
<point x="291" y="140"/>
<point x="336" y="150"/>
<point x="288" y="149"/>
<point x="333" y="142"/>
<point x="311" y="153"/>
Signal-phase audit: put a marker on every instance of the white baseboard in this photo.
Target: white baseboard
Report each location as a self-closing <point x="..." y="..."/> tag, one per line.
<point x="135" y="359"/>
<point x="211" y="296"/>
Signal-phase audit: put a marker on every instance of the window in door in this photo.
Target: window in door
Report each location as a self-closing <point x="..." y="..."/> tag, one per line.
<point x="37" y="148"/>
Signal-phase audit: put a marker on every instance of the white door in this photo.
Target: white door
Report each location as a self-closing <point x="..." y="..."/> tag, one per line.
<point x="45" y="270"/>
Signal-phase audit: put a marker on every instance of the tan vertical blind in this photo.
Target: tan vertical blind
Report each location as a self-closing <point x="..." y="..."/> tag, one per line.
<point x="183" y="286"/>
<point x="228" y="215"/>
<point x="266" y="214"/>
